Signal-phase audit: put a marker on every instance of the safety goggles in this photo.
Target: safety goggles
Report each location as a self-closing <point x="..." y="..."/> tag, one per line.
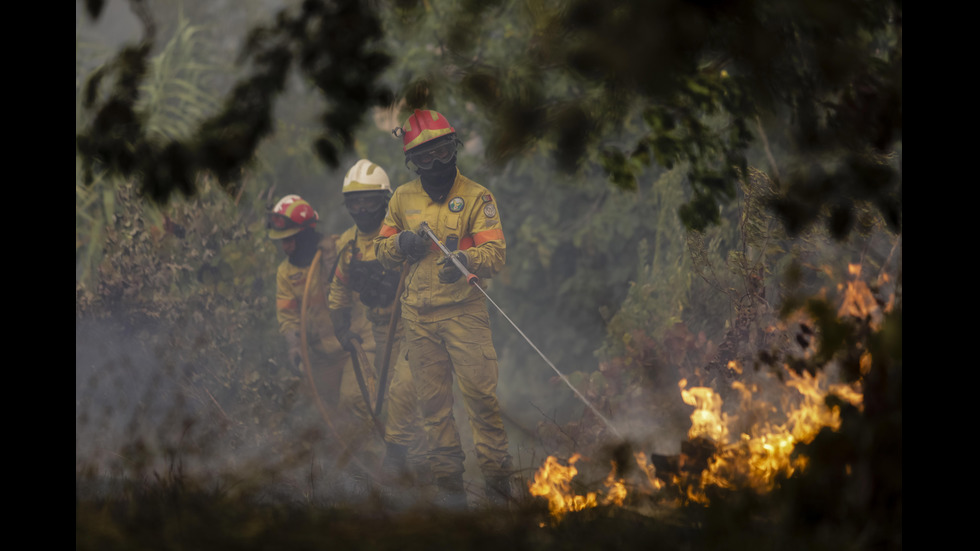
<point x="364" y="202"/>
<point x="425" y="157"/>
<point x="276" y="221"/>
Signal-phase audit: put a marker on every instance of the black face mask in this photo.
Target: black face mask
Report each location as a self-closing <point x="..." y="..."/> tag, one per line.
<point x="367" y="222"/>
<point x="438" y="180"/>
<point x="306" y="245"/>
<point x="367" y="208"/>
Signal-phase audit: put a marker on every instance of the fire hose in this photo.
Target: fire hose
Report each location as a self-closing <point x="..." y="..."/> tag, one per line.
<point x="475" y="281"/>
<point x="396" y="310"/>
<point x="359" y="358"/>
<point x="348" y="454"/>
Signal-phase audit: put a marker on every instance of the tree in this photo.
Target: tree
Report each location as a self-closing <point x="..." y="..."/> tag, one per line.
<point x="332" y="44"/>
<point x="818" y="83"/>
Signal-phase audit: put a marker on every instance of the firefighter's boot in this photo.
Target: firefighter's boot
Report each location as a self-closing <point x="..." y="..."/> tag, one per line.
<point x="499" y="493"/>
<point x="394" y="468"/>
<point x="452" y="492"/>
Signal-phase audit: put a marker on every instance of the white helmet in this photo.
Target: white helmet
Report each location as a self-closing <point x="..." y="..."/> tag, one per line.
<point x="366" y="176"/>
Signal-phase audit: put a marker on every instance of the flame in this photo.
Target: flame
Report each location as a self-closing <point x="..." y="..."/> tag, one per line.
<point x="649" y="470"/>
<point x="752" y="449"/>
<point x="553" y="482"/>
<point x="707" y="421"/>
<point x="764" y="452"/>
<point x="734" y="366"/>
<point x="756" y="459"/>
<point x="858" y="299"/>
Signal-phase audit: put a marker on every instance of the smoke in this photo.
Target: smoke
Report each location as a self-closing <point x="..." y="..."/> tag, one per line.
<point x="125" y="398"/>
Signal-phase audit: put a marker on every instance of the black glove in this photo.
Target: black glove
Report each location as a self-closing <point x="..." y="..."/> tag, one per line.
<point x="347" y="340"/>
<point x="413" y="246"/>
<point x="449" y="273"/>
<point x="341" y="329"/>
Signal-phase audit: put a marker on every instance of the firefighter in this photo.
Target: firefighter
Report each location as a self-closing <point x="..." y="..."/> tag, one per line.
<point x="359" y="277"/>
<point x="446" y="320"/>
<point x="293" y="223"/>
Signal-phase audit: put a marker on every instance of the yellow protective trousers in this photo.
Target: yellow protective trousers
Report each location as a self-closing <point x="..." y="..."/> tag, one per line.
<point x="460" y="347"/>
<point x="403" y="420"/>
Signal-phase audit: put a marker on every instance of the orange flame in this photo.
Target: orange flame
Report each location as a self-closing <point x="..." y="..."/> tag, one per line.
<point x="707" y="421"/>
<point x="756" y="459"/>
<point x="858" y="299"/>
<point x="754" y="448"/>
<point x="764" y="451"/>
<point x="553" y="482"/>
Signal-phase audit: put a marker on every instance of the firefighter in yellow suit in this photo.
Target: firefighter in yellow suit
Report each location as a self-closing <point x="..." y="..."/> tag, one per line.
<point x="360" y="278"/>
<point x="446" y="319"/>
<point x="292" y="222"/>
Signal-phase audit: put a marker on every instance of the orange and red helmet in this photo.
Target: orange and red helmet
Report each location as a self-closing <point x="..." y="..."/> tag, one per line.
<point x="428" y="137"/>
<point x="423" y="126"/>
<point x="291" y="215"/>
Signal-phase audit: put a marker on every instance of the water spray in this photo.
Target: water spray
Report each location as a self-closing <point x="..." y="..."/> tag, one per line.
<point x="475" y="281"/>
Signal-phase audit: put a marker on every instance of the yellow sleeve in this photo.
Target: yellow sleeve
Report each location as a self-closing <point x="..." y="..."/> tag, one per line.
<point x="386" y="243"/>
<point x="341" y="295"/>
<point x="287" y="304"/>
<point x="488" y="252"/>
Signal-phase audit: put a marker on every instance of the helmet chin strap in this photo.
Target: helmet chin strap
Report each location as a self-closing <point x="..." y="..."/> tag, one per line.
<point x="438" y="181"/>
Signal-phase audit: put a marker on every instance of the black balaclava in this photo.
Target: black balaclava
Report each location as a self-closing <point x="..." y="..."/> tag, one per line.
<point x="438" y="180"/>
<point x="306" y="245"/>
<point x="369" y="221"/>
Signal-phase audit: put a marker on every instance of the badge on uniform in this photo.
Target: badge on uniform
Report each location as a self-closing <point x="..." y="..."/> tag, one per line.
<point x="456" y="204"/>
<point x="487" y="198"/>
<point x="489" y="210"/>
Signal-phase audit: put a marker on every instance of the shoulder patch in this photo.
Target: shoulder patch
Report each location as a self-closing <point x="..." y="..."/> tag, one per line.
<point x="487" y="198"/>
<point x="456" y="204"/>
<point x="489" y="210"/>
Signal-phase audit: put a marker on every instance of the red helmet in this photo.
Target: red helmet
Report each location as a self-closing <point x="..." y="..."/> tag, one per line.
<point x="423" y="126"/>
<point x="291" y="215"/>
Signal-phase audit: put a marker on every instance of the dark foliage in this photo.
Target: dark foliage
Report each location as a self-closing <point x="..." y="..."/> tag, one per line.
<point x="332" y="44"/>
<point x="823" y="77"/>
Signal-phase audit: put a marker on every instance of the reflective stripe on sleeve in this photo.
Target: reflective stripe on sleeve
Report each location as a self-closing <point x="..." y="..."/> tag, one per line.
<point x="482" y="237"/>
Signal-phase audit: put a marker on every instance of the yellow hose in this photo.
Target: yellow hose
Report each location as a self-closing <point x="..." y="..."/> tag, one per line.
<point x="305" y="353"/>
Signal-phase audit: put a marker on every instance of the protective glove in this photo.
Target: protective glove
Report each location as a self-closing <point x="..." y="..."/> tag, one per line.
<point x="412" y="245"/>
<point x="449" y="273"/>
<point x="341" y="329"/>
<point x="295" y="354"/>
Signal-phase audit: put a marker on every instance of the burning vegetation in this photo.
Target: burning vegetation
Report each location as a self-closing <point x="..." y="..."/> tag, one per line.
<point x="761" y="444"/>
<point x="718" y="452"/>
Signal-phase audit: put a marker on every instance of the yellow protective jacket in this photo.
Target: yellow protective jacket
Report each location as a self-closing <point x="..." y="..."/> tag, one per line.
<point x="468" y="221"/>
<point x="290" y="285"/>
<point x="341" y="294"/>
